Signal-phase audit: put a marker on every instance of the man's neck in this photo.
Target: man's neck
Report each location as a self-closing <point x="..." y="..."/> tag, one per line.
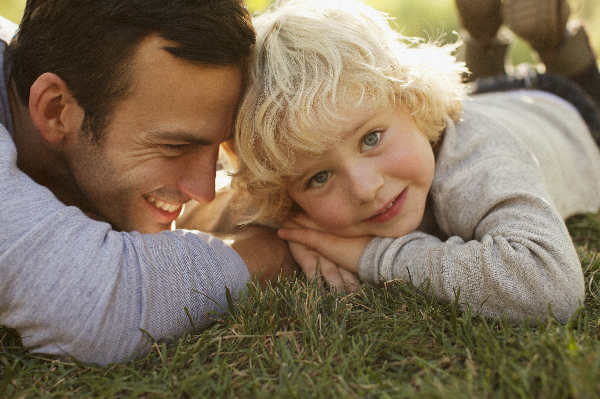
<point x="37" y="158"/>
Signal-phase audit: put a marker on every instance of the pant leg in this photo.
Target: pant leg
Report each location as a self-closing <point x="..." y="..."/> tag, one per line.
<point x="552" y="83"/>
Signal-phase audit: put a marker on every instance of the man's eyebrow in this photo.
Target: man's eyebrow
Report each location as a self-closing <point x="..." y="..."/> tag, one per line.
<point x="183" y="137"/>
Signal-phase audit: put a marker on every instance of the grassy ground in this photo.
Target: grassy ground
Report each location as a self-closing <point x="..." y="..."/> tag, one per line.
<point x="292" y="341"/>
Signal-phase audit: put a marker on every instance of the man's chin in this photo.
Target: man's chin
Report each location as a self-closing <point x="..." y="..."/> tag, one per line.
<point x="144" y="228"/>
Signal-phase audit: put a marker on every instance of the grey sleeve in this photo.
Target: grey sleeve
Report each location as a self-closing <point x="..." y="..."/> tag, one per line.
<point x="70" y="285"/>
<point x="509" y="252"/>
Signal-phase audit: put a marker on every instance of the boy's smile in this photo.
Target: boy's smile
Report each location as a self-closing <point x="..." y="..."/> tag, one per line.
<point x="390" y="211"/>
<point x="373" y="181"/>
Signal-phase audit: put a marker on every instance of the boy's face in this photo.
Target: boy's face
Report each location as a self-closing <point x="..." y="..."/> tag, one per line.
<point x="373" y="181"/>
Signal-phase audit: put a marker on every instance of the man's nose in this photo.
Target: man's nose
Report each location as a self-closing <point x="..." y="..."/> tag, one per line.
<point x="198" y="180"/>
<point x="365" y="182"/>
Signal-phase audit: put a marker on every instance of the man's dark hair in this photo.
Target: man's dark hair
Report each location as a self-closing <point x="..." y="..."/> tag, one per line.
<point x="90" y="44"/>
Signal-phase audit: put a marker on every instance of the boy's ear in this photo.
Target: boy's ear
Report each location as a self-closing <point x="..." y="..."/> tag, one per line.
<point x="53" y="109"/>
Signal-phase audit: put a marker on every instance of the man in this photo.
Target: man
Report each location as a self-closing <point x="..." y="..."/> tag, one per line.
<point x="112" y="117"/>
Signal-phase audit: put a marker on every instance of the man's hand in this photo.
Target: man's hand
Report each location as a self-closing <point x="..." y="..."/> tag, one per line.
<point x="266" y="255"/>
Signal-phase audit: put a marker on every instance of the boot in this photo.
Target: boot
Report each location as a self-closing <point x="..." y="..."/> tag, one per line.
<point x="542" y="23"/>
<point x="481" y="18"/>
<point x="487" y="59"/>
<point x="484" y="49"/>
<point x="563" y="47"/>
<point x="574" y="54"/>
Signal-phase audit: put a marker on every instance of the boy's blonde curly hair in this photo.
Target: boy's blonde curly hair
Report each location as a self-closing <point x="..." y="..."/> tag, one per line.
<point x="313" y="60"/>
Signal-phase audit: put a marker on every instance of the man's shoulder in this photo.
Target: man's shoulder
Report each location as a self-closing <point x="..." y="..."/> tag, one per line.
<point x="7" y="29"/>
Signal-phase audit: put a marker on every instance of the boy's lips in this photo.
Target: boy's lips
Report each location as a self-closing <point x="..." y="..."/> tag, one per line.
<point x="391" y="210"/>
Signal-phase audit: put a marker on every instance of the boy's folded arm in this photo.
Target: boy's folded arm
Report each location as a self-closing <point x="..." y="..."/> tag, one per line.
<point x="516" y="269"/>
<point x="509" y="252"/>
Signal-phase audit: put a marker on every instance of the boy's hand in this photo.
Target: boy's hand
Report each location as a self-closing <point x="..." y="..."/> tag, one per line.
<point x="338" y="257"/>
<point x="314" y="265"/>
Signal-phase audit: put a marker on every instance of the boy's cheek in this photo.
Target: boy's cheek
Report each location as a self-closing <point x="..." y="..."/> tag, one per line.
<point x="329" y="214"/>
<point x="329" y="221"/>
<point x="302" y="220"/>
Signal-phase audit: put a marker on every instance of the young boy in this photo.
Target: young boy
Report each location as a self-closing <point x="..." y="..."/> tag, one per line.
<point x="366" y="139"/>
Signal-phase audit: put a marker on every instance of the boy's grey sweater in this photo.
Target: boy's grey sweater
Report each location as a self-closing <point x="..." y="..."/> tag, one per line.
<point x="71" y="285"/>
<point x="507" y="174"/>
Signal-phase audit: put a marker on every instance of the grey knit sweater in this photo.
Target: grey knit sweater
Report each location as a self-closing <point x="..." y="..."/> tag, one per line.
<point x="507" y="174"/>
<point x="72" y="285"/>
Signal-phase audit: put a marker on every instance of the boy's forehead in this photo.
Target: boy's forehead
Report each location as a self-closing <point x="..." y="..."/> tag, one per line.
<point x="328" y="122"/>
<point x="347" y="120"/>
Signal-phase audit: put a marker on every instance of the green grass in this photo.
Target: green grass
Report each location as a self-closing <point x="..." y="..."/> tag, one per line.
<point x="294" y="341"/>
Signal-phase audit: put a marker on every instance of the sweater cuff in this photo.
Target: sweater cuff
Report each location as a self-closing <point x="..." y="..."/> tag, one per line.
<point x="421" y="261"/>
<point x="368" y="269"/>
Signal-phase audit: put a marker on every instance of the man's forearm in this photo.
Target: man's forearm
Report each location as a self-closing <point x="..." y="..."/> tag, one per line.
<point x="266" y="255"/>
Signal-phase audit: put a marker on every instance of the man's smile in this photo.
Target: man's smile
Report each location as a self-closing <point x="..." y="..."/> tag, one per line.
<point x="162" y="205"/>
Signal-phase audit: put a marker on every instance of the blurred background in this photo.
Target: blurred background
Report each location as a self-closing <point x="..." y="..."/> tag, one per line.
<point x="423" y="18"/>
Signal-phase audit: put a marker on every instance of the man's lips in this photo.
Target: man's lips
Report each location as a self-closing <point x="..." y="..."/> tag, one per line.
<point x="167" y="210"/>
<point x="391" y="210"/>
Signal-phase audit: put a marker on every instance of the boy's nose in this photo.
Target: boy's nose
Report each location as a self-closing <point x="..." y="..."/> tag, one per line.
<point x="365" y="183"/>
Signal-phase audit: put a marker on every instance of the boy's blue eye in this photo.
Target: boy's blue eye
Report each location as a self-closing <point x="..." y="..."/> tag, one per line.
<point x="319" y="179"/>
<point x="370" y="141"/>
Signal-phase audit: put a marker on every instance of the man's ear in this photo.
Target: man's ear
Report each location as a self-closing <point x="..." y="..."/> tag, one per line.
<point x="53" y="109"/>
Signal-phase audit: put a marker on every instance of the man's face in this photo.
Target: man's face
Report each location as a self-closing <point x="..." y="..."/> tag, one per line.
<point x="160" y="149"/>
